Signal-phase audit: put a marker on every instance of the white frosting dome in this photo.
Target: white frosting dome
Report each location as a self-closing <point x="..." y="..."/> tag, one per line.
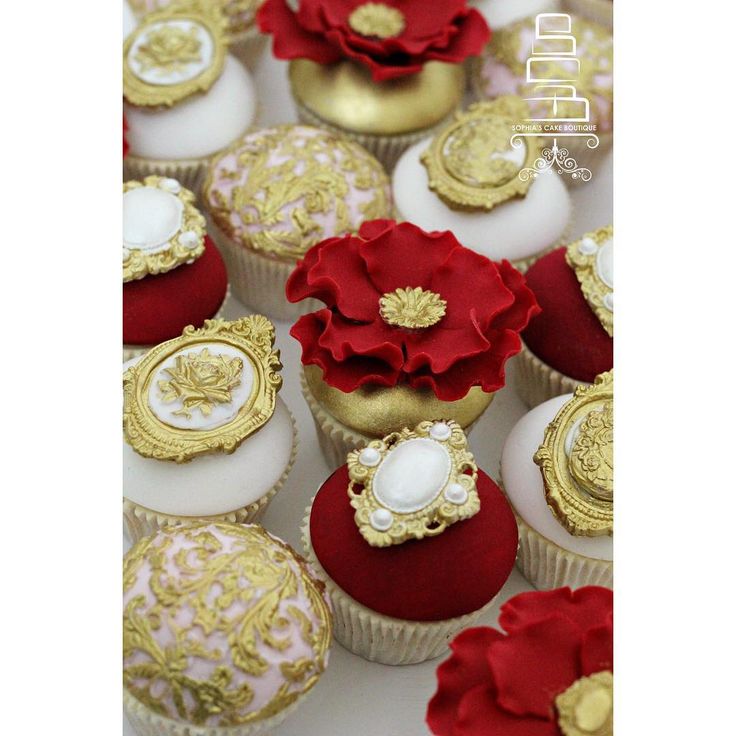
<point x="199" y="125"/>
<point x="524" y="486"/>
<point x="499" y="13"/>
<point x="516" y="229"/>
<point x="129" y="20"/>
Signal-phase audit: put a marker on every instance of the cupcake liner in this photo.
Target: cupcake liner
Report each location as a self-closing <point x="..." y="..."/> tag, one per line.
<point x="259" y="281"/>
<point x="380" y="638"/>
<point x="546" y="565"/>
<point x="147" y="723"/>
<point x="188" y="172"/>
<point x="535" y="382"/>
<point x="248" y="47"/>
<point x="133" y="351"/>
<point x="386" y="148"/>
<point x="140" y="521"/>
<point x="600" y="11"/>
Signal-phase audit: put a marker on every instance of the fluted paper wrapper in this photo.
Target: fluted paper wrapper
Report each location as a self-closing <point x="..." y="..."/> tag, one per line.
<point x="380" y="638"/>
<point x="386" y="148"/>
<point x="259" y="281"/>
<point x="147" y="723"/>
<point x="546" y="565"/>
<point x="140" y="521"/>
<point x="188" y="172"/>
<point x="133" y="351"/>
<point x="535" y="382"/>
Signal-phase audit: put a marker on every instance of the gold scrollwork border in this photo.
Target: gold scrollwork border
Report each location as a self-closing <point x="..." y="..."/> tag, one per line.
<point x="578" y="511"/>
<point x="459" y="195"/>
<point x="209" y="15"/>
<point x="150" y="437"/>
<point x="138" y="264"/>
<point x="436" y="516"/>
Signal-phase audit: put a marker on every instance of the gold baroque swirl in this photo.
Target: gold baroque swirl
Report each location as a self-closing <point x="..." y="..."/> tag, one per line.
<point x="576" y="460"/>
<point x="586" y="707"/>
<point x="225" y="581"/>
<point x="138" y="264"/>
<point x="412" y="308"/>
<point x="151" y="437"/>
<point x="279" y="204"/>
<point x="377" y="20"/>
<point x="468" y="162"/>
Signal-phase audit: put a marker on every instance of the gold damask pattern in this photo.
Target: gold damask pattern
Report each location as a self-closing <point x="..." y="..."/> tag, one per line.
<point x="291" y="181"/>
<point x="377" y="20"/>
<point x="576" y="460"/>
<point x="467" y="163"/>
<point x="586" y="707"/>
<point x="412" y="308"/>
<point x="189" y="589"/>
<point x="149" y="436"/>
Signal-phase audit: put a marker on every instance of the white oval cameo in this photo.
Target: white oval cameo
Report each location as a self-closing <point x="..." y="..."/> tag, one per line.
<point x="412" y="475"/>
<point x="151" y="217"/>
<point x="604" y="263"/>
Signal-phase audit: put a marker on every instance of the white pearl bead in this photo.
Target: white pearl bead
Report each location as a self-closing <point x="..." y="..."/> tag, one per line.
<point x="588" y="246"/>
<point x="608" y="301"/>
<point x="440" y="431"/>
<point x="189" y="239"/>
<point x="455" y="493"/>
<point x="126" y="254"/>
<point x="381" y="520"/>
<point x="170" y="185"/>
<point x="370" y="457"/>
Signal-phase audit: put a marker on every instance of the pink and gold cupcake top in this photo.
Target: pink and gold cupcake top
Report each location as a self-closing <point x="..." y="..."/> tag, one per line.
<point x="223" y="624"/>
<point x="281" y="190"/>
<point x="504" y="69"/>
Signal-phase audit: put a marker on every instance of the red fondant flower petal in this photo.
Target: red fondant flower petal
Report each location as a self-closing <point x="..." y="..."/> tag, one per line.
<point x="473" y="34"/>
<point x="345" y="339"/>
<point x="480" y="714"/>
<point x="373" y="228"/>
<point x="586" y="607"/>
<point x="466" y="668"/>
<point x="535" y="664"/>
<point x="525" y="304"/>
<point x="298" y="286"/>
<point x="597" y="650"/>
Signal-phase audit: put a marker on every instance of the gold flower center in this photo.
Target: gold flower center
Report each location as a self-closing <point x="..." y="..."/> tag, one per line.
<point x="377" y="20"/>
<point x="412" y="308"/>
<point x="586" y="707"/>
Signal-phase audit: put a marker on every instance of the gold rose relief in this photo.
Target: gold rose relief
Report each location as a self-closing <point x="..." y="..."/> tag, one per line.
<point x="576" y="460"/>
<point x="221" y="581"/>
<point x="174" y="53"/>
<point x="472" y="165"/>
<point x="296" y="190"/>
<point x="204" y="392"/>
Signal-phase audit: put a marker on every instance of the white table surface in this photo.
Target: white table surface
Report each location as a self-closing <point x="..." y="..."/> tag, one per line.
<point x="356" y="697"/>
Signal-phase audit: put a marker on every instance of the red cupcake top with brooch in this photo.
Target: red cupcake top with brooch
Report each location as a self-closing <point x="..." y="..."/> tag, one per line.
<point x="549" y="672"/>
<point x="403" y="306"/>
<point x="392" y="38"/>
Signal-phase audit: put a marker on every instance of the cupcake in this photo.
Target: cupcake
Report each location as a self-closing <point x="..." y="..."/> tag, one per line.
<point x="225" y="631"/>
<point x="471" y="179"/>
<point x="557" y="471"/>
<point x="186" y="98"/>
<point x="571" y="341"/>
<point x="600" y="11"/>
<point x="413" y="540"/>
<point x="404" y="335"/>
<point x="382" y="73"/>
<point x="205" y="435"/>
<point x="563" y="66"/>
<point x="173" y="275"/>
<point x="500" y="13"/>
<point x="246" y="41"/>
<point x="277" y="193"/>
<point x="546" y="671"/>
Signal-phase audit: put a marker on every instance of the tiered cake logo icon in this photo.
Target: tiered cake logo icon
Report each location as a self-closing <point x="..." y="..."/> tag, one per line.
<point x="558" y="111"/>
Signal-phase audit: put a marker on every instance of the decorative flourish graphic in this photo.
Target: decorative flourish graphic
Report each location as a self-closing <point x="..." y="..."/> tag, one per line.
<point x="412" y="308"/>
<point x="586" y="707"/>
<point x="169" y="49"/>
<point x="201" y="381"/>
<point x="554" y="158"/>
<point x="377" y="20"/>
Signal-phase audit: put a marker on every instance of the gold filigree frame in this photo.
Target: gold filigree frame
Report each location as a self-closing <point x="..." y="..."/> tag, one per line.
<point x="150" y="437"/>
<point x="585" y="265"/>
<point x="460" y="194"/>
<point x="138" y="264"/>
<point x="207" y="15"/>
<point x="436" y="515"/>
<point x="578" y="510"/>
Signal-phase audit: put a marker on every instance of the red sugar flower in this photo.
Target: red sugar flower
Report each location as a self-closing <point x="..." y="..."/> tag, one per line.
<point x="392" y="38"/>
<point x="549" y="673"/>
<point x="407" y="306"/>
<point x="126" y="146"/>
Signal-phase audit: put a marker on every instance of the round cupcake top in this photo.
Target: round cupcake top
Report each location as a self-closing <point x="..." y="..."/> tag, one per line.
<point x="504" y="64"/>
<point x="281" y="190"/>
<point x="223" y="624"/>
<point x="204" y="392"/>
<point x="499" y="13"/>
<point x="240" y="14"/>
<point x="574" y="288"/>
<point x="162" y="228"/>
<point x="411" y="529"/>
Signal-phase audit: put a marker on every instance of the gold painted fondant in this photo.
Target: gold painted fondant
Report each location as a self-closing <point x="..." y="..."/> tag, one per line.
<point x="412" y="308"/>
<point x="586" y="707"/>
<point x="576" y="460"/>
<point x="151" y="437"/>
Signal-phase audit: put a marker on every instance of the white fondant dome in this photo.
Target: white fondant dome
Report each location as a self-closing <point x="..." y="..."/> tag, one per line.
<point x="499" y="13"/>
<point x="129" y="20"/>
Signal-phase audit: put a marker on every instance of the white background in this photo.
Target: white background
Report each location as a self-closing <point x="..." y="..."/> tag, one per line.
<point x="355" y="696"/>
